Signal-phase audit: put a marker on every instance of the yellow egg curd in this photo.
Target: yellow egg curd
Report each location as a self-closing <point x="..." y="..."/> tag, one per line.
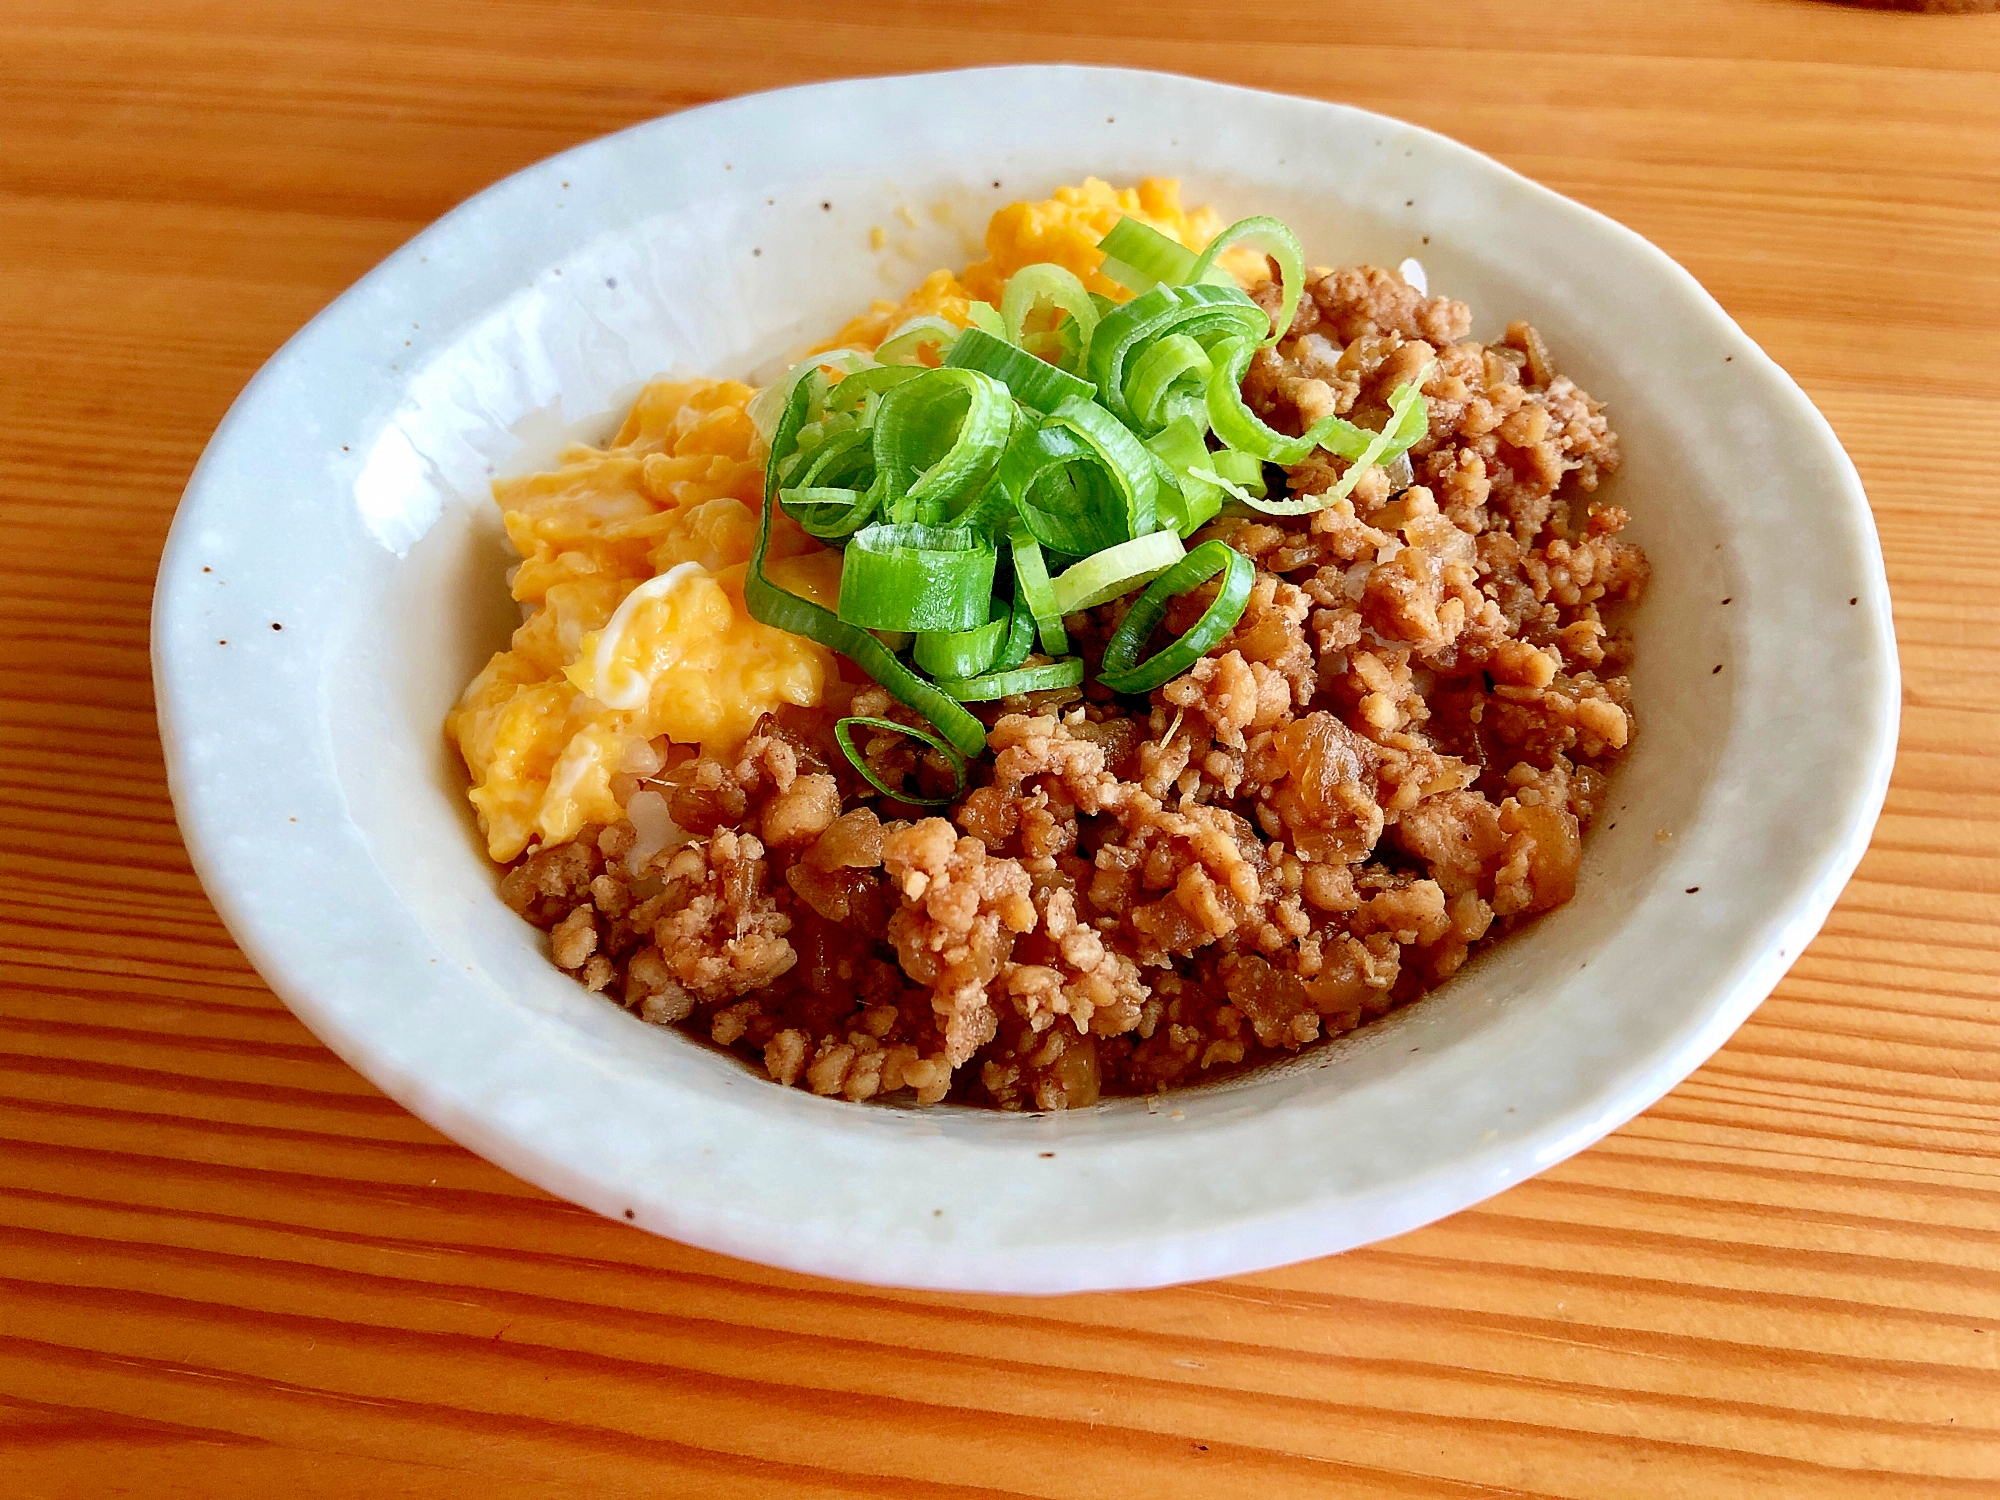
<point x="632" y="565"/>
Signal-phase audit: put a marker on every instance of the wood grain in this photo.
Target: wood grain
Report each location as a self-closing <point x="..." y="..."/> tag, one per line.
<point x="227" y="1265"/>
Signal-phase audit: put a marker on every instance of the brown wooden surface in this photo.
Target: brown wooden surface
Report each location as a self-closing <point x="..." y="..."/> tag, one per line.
<point x="227" y="1265"/>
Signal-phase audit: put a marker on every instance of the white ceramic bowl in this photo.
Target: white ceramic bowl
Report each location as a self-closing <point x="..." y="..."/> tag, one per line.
<point x="345" y="499"/>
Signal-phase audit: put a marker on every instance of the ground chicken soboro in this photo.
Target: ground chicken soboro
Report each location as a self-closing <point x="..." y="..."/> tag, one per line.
<point x="1390" y="760"/>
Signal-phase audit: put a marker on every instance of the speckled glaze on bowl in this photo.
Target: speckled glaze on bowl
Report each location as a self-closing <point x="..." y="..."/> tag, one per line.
<point x="344" y="499"/>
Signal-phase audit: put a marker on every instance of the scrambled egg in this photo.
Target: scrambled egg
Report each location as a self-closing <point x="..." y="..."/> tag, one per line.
<point x="633" y="558"/>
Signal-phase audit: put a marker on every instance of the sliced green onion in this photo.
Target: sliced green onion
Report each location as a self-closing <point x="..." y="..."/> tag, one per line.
<point x="1246" y="488"/>
<point x="1020" y="635"/>
<point x="1060" y="419"/>
<point x="1034" y="382"/>
<point x="1242" y="429"/>
<point x="1122" y="672"/>
<point x="767" y="407"/>
<point x="1409" y="421"/>
<point x="1276" y="241"/>
<point x="1066" y="673"/>
<point x="783" y="610"/>
<point x="1122" y="456"/>
<point x="1171" y="505"/>
<point x="1063" y="490"/>
<point x="938" y="439"/>
<point x="835" y="442"/>
<point x="1168" y="380"/>
<point x="1120" y="335"/>
<point x="1197" y="491"/>
<point x="1201" y="508"/>
<point x="1116" y="571"/>
<point x="828" y="513"/>
<point x="915" y="577"/>
<point x="1031" y="581"/>
<point x="1225" y="302"/>
<point x="904" y="345"/>
<point x="1138" y="257"/>
<point x="963" y="653"/>
<point x="845" y="460"/>
<point x="843" y="735"/>
<point x="849" y="393"/>
<point x="990" y="512"/>
<point x="1211" y="316"/>
<point x="1057" y="286"/>
<point x="1238" y="426"/>
<point x="1239" y="471"/>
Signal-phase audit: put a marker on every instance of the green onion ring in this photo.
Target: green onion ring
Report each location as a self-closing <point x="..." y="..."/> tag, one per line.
<point x="853" y="388"/>
<point x="843" y="736"/>
<point x="845" y="451"/>
<point x="767" y="407"/>
<point x="828" y="512"/>
<point x="1063" y="489"/>
<point x="1057" y="286"/>
<point x="1276" y="241"/>
<point x="1122" y="673"/>
<point x="1239" y="471"/>
<point x="915" y="577"/>
<point x="989" y="512"/>
<point x="1020" y="635"/>
<point x="1116" y="571"/>
<point x="1031" y="579"/>
<point x="1242" y="429"/>
<point x="1032" y="381"/>
<point x="902" y="346"/>
<point x="1409" y="421"/>
<point x="1120" y="333"/>
<point x="1169" y="379"/>
<point x="1210" y="315"/>
<point x="844" y="460"/>
<point x="1044" y="678"/>
<point x="1138" y="257"/>
<point x="1183" y="454"/>
<point x="963" y="653"/>
<point x="938" y="439"/>
<point x="1123" y="457"/>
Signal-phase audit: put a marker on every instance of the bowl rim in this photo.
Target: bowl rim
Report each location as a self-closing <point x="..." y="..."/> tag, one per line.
<point x="213" y="832"/>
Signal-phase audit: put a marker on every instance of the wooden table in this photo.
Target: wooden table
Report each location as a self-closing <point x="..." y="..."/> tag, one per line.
<point x="229" y="1266"/>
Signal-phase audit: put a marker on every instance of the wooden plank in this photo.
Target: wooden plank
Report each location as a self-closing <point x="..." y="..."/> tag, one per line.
<point x="228" y="1265"/>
